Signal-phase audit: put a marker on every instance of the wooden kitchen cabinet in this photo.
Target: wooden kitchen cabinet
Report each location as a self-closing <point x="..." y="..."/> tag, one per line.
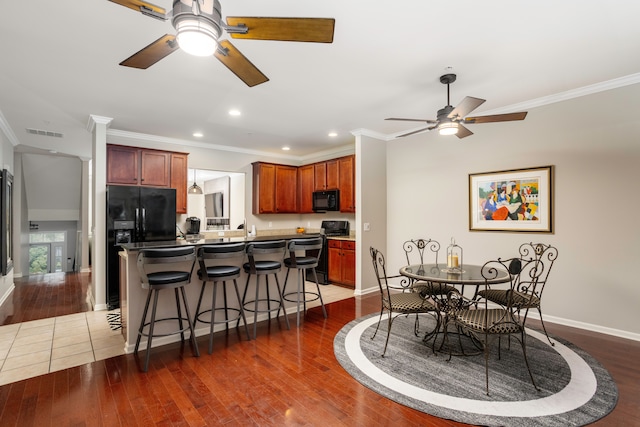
<point x="326" y="175"/>
<point x="123" y="165"/>
<point x="274" y="188"/>
<point x="347" y="177"/>
<point x="342" y="262"/>
<point x="138" y="166"/>
<point x="179" y="180"/>
<point x="149" y="168"/>
<point x="305" y="188"/>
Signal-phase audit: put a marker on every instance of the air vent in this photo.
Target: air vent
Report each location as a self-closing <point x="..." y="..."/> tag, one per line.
<point x="44" y="133"/>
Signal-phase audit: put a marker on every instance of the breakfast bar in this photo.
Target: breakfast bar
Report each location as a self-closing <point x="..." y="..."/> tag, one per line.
<point x="133" y="296"/>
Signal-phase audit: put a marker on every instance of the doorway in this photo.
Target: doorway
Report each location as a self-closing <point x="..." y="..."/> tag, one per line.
<point x="47" y="252"/>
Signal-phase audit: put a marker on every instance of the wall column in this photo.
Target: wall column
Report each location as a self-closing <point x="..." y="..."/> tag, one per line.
<point x="98" y="127"/>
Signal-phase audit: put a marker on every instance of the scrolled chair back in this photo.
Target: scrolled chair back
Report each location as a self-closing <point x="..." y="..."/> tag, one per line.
<point x="524" y="279"/>
<point x="414" y="250"/>
<point x="540" y="258"/>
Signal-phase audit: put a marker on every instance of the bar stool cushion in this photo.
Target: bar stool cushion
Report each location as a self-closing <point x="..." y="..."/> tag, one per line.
<point x="167" y="277"/>
<point x="217" y="271"/>
<point x="303" y="261"/>
<point x="263" y="265"/>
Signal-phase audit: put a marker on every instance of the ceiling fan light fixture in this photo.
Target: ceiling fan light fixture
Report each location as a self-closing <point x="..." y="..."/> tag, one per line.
<point x="448" y="128"/>
<point x="196" y="35"/>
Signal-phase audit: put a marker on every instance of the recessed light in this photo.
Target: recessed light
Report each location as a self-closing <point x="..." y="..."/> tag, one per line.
<point x="198" y="134"/>
<point x="333" y="134"/>
<point x="234" y="112"/>
<point x="285" y="148"/>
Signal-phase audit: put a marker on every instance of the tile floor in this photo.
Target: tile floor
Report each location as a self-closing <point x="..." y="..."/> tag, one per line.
<point x="41" y="346"/>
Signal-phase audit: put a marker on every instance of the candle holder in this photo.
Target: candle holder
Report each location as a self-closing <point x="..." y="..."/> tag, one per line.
<point x="454" y="258"/>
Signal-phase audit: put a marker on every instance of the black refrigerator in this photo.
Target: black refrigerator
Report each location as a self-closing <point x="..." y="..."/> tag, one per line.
<point x="135" y="214"/>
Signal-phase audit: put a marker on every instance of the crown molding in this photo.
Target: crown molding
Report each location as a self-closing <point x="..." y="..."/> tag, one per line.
<point x="6" y="129"/>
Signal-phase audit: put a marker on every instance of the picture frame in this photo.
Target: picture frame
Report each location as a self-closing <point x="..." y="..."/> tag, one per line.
<point x="516" y="200"/>
<point x="6" y="222"/>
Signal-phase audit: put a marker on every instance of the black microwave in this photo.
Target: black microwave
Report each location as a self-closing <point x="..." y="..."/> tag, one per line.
<point x="326" y="200"/>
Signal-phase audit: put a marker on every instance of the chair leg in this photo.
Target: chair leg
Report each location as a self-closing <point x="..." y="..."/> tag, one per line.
<point x="194" y="342"/>
<point x="179" y="315"/>
<point x="226" y="305"/>
<point x="388" y="333"/>
<point x="284" y="310"/>
<point x="298" y="274"/>
<point x="151" y="325"/>
<point x="144" y="318"/>
<point x="195" y="319"/>
<point x="523" y="338"/>
<point x="544" y="328"/>
<point x="315" y="276"/>
<point x="378" y="325"/>
<point x="244" y="319"/>
<point x="213" y="315"/>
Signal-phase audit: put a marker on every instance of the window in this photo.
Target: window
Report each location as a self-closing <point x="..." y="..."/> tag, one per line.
<point x="47" y="252"/>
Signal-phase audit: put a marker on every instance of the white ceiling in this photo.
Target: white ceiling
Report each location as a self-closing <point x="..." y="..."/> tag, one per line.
<point x="59" y="65"/>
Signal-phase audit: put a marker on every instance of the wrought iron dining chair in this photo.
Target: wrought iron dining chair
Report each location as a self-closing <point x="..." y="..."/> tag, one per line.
<point x="485" y="325"/>
<point x="395" y="302"/>
<point x="414" y="251"/>
<point x="526" y="295"/>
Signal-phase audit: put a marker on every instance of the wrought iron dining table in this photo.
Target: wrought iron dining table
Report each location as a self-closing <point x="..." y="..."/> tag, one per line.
<point x="467" y="275"/>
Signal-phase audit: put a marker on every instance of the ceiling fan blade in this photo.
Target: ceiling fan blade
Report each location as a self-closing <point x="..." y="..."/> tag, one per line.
<point x="413" y="120"/>
<point x="137" y="4"/>
<point x="416" y="131"/>
<point x="318" y="30"/>
<point x="239" y="64"/>
<point x="467" y="105"/>
<point x="463" y="132"/>
<point x="153" y="53"/>
<point x="496" y="118"/>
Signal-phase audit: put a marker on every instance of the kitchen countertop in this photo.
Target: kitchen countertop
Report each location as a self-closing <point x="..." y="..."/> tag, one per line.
<point x="182" y="242"/>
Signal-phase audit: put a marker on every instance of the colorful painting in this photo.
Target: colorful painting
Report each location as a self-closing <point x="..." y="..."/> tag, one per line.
<point x="512" y="200"/>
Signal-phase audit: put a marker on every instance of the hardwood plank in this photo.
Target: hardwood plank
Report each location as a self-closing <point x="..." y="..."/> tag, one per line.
<point x="282" y="378"/>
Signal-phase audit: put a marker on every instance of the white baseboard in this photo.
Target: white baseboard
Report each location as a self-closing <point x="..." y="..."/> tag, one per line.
<point x="588" y="327"/>
<point x="7" y="294"/>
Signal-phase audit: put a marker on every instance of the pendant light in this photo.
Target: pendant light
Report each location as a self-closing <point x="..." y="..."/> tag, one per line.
<point x="195" y="189"/>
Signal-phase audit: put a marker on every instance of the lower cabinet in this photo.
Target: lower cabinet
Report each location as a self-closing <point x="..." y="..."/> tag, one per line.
<point x="342" y="262"/>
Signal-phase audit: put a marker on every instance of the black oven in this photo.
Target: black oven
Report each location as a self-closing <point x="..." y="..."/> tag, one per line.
<point x="331" y="229"/>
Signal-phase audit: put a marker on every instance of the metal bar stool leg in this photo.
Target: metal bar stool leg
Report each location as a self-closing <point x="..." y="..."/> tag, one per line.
<point x="151" y="326"/>
<point x="244" y="319"/>
<point x="194" y="343"/>
<point x="213" y="316"/>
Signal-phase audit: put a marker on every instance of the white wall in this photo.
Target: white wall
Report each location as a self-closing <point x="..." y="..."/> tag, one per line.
<point x="594" y="144"/>
<point x="6" y="282"/>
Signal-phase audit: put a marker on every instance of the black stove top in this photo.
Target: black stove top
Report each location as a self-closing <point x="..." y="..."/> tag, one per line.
<point x="335" y="228"/>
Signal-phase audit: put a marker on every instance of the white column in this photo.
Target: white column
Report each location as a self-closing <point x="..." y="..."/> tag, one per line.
<point x="85" y="216"/>
<point x="98" y="127"/>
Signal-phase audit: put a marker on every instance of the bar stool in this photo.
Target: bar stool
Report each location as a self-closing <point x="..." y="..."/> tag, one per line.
<point x="264" y="267"/>
<point x="302" y="264"/>
<point x="228" y="267"/>
<point x="171" y="278"/>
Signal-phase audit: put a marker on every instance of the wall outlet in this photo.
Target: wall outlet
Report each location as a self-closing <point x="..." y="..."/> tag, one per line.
<point x="220" y="233"/>
<point x="308" y="224"/>
<point x="366" y="226"/>
<point x="270" y="224"/>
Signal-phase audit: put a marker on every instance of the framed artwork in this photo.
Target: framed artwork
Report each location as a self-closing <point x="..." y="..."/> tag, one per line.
<point x="6" y="226"/>
<point x="512" y="200"/>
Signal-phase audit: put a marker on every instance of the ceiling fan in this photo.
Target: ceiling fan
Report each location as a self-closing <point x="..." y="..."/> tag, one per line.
<point x="199" y="25"/>
<point x="450" y="120"/>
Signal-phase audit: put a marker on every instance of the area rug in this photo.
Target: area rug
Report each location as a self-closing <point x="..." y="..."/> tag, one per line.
<point x="575" y="389"/>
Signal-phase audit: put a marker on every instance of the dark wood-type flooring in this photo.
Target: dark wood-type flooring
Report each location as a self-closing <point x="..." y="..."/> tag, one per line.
<point x="42" y="296"/>
<point x="281" y="378"/>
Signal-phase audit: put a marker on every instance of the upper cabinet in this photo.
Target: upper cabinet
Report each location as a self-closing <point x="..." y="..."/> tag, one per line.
<point x="326" y="175"/>
<point x="274" y="188"/>
<point x="305" y="188"/>
<point x="347" y="176"/>
<point x="149" y="168"/>
<point x="289" y="189"/>
<point x="179" y="180"/>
